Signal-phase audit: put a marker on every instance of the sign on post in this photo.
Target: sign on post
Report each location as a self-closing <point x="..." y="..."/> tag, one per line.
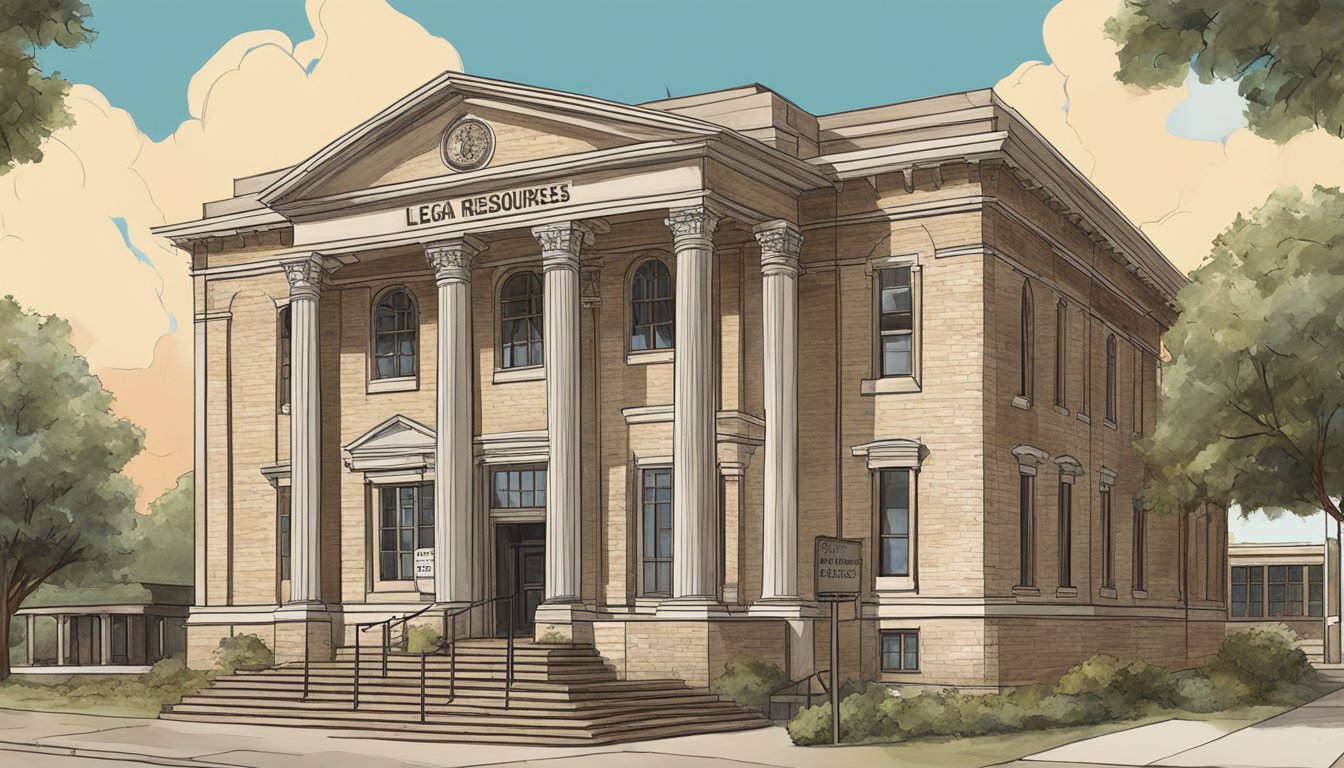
<point x="838" y="579"/>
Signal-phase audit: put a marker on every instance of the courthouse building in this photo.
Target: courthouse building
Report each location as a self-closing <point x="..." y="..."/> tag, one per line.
<point x="628" y="362"/>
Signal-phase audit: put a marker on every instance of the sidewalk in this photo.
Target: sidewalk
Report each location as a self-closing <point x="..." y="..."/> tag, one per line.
<point x="1311" y="736"/>
<point x="58" y="739"/>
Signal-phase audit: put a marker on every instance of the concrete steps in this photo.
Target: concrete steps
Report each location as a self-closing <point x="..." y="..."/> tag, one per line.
<point x="562" y="695"/>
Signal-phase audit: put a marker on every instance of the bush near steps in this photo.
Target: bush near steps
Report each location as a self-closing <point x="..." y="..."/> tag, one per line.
<point x="1259" y="666"/>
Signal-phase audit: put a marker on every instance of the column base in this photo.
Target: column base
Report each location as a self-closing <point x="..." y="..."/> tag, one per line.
<point x="782" y="608"/>
<point x="303" y="632"/>
<point x="564" y="623"/>
<point x="692" y="607"/>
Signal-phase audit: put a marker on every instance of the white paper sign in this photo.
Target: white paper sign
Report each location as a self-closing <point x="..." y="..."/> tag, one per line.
<point x="424" y="563"/>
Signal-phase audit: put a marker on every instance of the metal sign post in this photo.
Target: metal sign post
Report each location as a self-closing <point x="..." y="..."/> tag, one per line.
<point x="839" y="563"/>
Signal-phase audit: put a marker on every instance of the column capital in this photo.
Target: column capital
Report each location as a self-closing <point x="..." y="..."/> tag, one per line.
<point x="780" y="243"/>
<point x="692" y="227"/>
<point x="562" y="241"/>
<point x="590" y="282"/>
<point x="306" y="275"/>
<point x="452" y="259"/>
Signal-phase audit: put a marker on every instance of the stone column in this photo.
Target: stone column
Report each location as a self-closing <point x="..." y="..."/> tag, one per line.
<point x="695" y="387"/>
<point x="305" y="432"/>
<point x="560" y="244"/>
<point x="451" y="261"/>
<point x="780" y="242"/>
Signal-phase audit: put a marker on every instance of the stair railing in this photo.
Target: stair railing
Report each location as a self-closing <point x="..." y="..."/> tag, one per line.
<point x="360" y="629"/>
<point x="819" y="677"/>
<point x="449" y="643"/>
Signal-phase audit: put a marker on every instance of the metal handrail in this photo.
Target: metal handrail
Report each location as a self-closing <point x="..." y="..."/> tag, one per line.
<point x="361" y="628"/>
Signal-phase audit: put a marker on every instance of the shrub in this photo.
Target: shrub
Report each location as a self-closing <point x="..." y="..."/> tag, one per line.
<point x="1262" y="665"/>
<point x="1123" y="687"/>
<point x="1196" y="693"/>
<point x="749" y="682"/>
<point x="869" y="715"/>
<point x="812" y="725"/>
<point x="244" y="652"/>
<point x="422" y="638"/>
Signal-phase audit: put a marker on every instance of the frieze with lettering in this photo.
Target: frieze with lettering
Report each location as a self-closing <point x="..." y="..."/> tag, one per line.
<point x="507" y="201"/>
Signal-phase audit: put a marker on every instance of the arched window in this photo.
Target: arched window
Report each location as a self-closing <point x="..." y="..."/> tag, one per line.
<point x="394" y="331"/>
<point x="652" y="317"/>
<point x="283" y="357"/>
<point x="1025" y="350"/>
<point x="1110" y="379"/>
<point x="520" y="320"/>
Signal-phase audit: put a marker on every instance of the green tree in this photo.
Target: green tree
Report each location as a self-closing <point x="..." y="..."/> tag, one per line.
<point x="32" y="104"/>
<point x="1252" y="407"/>
<point x="65" y="506"/>
<point x="1286" y="55"/>
<point x="162" y="551"/>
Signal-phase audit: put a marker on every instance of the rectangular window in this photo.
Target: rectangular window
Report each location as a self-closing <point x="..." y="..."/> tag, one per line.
<point x="893" y="502"/>
<point x="657" y="518"/>
<point x="1107" y="541"/>
<point x="1278" y="590"/>
<point x="1065" y="534"/>
<point x="1315" y="591"/>
<point x="1248" y="591"/>
<point x="283" y="526"/>
<point x="1140" y="549"/>
<point x="1085" y="374"/>
<point x="1061" y="352"/>
<point x="518" y="488"/>
<point x="900" y="650"/>
<point x="895" y="323"/>
<point x="1026" y="544"/>
<point x="405" y="523"/>
<point x="283" y="360"/>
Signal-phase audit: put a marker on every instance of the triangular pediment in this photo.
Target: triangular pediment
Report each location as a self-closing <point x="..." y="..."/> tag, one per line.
<point x="403" y="143"/>
<point x="398" y="438"/>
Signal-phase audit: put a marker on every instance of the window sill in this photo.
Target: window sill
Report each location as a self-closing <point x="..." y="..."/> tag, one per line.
<point x="402" y="384"/>
<point x="1066" y="592"/>
<point x="1108" y="592"/>
<point x="1108" y="423"/>
<point x="530" y="373"/>
<point x="889" y="385"/>
<point x="650" y="356"/>
<point x="1083" y="417"/>
<point x="1061" y="410"/>
<point x="1024" y="591"/>
<point x="1141" y="594"/>
<point x="894" y="584"/>
<point x="1021" y="402"/>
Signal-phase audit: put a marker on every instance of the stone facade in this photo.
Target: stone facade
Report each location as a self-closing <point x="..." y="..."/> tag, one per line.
<point x="771" y="410"/>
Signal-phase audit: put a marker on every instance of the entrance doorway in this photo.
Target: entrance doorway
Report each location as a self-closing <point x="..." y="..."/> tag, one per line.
<point x="520" y="570"/>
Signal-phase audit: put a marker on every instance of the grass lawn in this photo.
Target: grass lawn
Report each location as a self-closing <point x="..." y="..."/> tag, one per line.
<point x="119" y="695"/>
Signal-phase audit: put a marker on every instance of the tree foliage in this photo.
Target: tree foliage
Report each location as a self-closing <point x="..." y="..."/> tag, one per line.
<point x="64" y="502"/>
<point x="1286" y="55"/>
<point x="32" y="105"/>
<point x="162" y="540"/>
<point x="1252" y="405"/>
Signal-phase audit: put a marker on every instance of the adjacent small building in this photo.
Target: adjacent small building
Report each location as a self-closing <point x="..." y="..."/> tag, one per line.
<point x="1294" y="584"/>
<point x="627" y="362"/>
<point x="119" y="628"/>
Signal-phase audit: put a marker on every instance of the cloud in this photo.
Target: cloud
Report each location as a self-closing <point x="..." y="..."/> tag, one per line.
<point x="74" y="229"/>
<point x="1181" y="191"/>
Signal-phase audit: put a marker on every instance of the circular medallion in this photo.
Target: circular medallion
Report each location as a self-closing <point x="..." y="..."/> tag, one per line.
<point x="468" y="144"/>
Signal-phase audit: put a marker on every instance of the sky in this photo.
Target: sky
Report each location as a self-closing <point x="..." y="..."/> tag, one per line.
<point x="174" y="99"/>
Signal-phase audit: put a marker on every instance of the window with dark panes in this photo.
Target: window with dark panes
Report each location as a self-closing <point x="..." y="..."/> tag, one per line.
<point x="405" y="524"/>
<point x="1026" y="529"/>
<point x="652" y="307"/>
<point x="284" y="357"/>
<point x="895" y="323"/>
<point x="656" y="510"/>
<point x="1065" y="534"/>
<point x="518" y="488"/>
<point x="894" y="522"/>
<point x="1278" y="590"/>
<point x="900" y="650"/>
<point x="1107" y="541"/>
<point x="283" y="529"/>
<point x="1248" y="590"/>
<point x="394" y="336"/>
<point x="1315" y="591"/>
<point x="520" y="321"/>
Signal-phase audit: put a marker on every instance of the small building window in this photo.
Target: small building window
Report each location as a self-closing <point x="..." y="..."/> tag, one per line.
<point x="284" y="355"/>
<point x="652" y="308"/>
<point x="519" y="488"/>
<point x="656" y="513"/>
<point x="520" y="321"/>
<point x="394" y="336"/>
<point x="894" y="522"/>
<point x="1025" y="346"/>
<point x="1248" y="591"/>
<point x="1061" y="352"/>
<point x="1140" y="548"/>
<point x="1065" y="532"/>
<point x="405" y="523"/>
<point x="1107" y="541"/>
<point x="1110" y="380"/>
<point x="895" y="322"/>
<point x="283" y="530"/>
<point x="1026" y="506"/>
<point x="900" y="650"/>
<point x="1315" y="591"/>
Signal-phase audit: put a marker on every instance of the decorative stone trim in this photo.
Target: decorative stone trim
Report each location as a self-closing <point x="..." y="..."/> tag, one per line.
<point x="892" y="453"/>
